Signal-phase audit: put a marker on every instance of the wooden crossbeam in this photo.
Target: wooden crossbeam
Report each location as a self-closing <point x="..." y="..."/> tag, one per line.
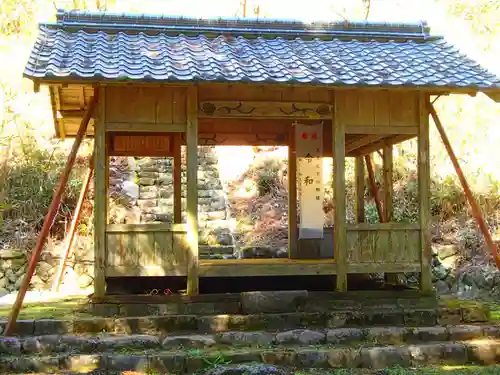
<point x="362" y="142"/>
<point x="372" y="147"/>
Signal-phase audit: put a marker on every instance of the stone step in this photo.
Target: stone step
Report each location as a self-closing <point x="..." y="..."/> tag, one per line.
<point x="186" y="323"/>
<point x="205" y="358"/>
<point x="86" y="344"/>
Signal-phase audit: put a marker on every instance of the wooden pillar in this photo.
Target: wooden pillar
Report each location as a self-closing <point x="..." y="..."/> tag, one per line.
<point x="100" y="197"/>
<point x="192" y="190"/>
<point x="423" y="189"/>
<point x="388" y="185"/>
<point x="339" y="225"/>
<point x="387" y="174"/>
<point x="292" y="196"/>
<point x="360" y="189"/>
<point x="177" y="179"/>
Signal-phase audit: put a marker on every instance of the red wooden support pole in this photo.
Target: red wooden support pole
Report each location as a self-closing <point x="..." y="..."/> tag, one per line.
<point x="467" y="191"/>
<point x="72" y="228"/>
<point x="49" y="218"/>
<point x="373" y="187"/>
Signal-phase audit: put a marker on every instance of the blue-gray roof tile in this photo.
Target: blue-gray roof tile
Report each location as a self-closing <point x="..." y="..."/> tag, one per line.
<point x="94" y="46"/>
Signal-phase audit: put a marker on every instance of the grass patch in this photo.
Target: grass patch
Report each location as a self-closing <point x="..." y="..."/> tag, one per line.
<point x="67" y="308"/>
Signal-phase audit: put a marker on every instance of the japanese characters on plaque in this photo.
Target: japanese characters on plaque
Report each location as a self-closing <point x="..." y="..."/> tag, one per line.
<point x="309" y="149"/>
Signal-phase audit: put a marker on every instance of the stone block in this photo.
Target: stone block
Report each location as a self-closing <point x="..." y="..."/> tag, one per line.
<point x="312" y="358"/>
<point x="385" y="356"/>
<point x="421" y="317"/>
<point x="475" y="314"/>
<point x="449" y="316"/>
<point x="93" y="325"/>
<point x="116" y="362"/>
<point x="167" y="363"/>
<point x="114" y="343"/>
<point x="10" y="345"/>
<point x="189" y="341"/>
<point x="278" y="301"/>
<point x="83" y="363"/>
<point x="301" y="336"/>
<point x="344" y="336"/>
<point x="53" y="327"/>
<point x="483" y="352"/>
<point x="279" y="357"/>
<point x="427" y="334"/>
<point x="246" y="338"/>
<point x="344" y="358"/>
<point x="386" y="335"/>
<point x="465" y="332"/>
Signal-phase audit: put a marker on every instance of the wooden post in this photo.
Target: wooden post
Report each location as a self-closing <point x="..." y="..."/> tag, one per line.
<point x="49" y="218"/>
<point x="192" y="189"/>
<point x="100" y="197"/>
<point x="388" y="185"/>
<point x="292" y="196"/>
<point x="423" y="189"/>
<point x="177" y="173"/>
<point x="387" y="158"/>
<point x="373" y="187"/>
<point x="339" y="226"/>
<point x="74" y="223"/>
<point x="467" y="190"/>
<point x="360" y="189"/>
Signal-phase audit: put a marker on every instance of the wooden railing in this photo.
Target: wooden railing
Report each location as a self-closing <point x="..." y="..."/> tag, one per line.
<point x="387" y="247"/>
<point x="146" y="250"/>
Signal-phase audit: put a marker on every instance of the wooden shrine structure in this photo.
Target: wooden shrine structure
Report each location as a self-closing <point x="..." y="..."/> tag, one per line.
<point x="146" y="85"/>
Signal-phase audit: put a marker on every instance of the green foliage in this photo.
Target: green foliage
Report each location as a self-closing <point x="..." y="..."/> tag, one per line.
<point x="267" y="175"/>
<point x="30" y="182"/>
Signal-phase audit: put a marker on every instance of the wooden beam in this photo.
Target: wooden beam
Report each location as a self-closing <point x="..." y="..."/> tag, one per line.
<point x="100" y="197"/>
<point x="382" y="130"/>
<point x="145" y="127"/>
<point x="476" y="211"/>
<point x="362" y="142"/>
<point x="373" y="187"/>
<point x="177" y="179"/>
<point x="368" y="149"/>
<point x="360" y="190"/>
<point x="143" y="228"/>
<point x="266" y="267"/>
<point x="423" y="189"/>
<point x="72" y="229"/>
<point x="292" y="196"/>
<point x="192" y="189"/>
<point x="49" y="218"/>
<point x="339" y="226"/>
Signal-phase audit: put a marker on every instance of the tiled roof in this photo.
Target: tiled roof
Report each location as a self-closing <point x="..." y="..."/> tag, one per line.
<point x="96" y="46"/>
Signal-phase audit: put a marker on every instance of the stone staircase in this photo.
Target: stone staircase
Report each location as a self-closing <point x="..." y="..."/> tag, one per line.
<point x="255" y="333"/>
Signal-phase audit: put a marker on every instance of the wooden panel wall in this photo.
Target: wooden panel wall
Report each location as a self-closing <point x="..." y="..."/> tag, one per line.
<point x="264" y="93"/>
<point x="149" y="105"/>
<point x="383" y="243"/>
<point x="378" y="111"/>
<point x="146" y="250"/>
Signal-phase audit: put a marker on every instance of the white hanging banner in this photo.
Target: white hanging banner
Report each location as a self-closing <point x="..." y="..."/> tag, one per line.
<point x="309" y="148"/>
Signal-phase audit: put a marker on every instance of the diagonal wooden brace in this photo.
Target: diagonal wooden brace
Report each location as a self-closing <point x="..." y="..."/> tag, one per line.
<point x="467" y="191"/>
<point x="51" y="214"/>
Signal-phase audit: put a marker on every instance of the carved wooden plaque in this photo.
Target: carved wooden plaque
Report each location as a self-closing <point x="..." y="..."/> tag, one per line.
<point x="246" y="109"/>
<point x="141" y="145"/>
